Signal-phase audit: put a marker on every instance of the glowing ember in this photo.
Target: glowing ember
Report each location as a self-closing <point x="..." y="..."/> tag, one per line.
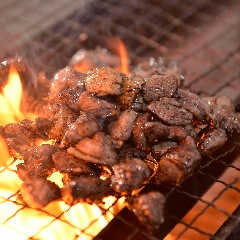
<point x="57" y="220"/>
<point x="10" y="99"/>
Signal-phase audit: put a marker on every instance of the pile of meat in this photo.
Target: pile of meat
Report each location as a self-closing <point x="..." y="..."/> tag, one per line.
<point x="114" y="134"/>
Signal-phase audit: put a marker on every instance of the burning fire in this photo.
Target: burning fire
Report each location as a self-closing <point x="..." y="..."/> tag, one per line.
<point x="85" y="60"/>
<point x="10" y="99"/>
<point x="57" y="220"/>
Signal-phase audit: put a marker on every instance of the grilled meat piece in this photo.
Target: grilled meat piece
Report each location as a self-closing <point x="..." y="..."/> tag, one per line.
<point x="38" y="192"/>
<point x="69" y="97"/>
<point x="178" y="163"/>
<point x="38" y="160"/>
<point x="177" y="133"/>
<point x="66" y="78"/>
<point x="129" y="175"/>
<point x="103" y="81"/>
<point x="96" y="106"/>
<point x="98" y="149"/>
<point x="67" y="163"/>
<point x="162" y="147"/>
<point x="85" y="188"/>
<point x="62" y="120"/>
<point x="169" y="112"/>
<point x="193" y="103"/>
<point x="155" y="131"/>
<point x="84" y="126"/>
<point x="159" y="86"/>
<point x="213" y="140"/>
<point x="149" y="208"/>
<point x="121" y="129"/>
<point x="224" y="115"/>
<point x="83" y="59"/>
<point x="130" y="98"/>
<point x="138" y="133"/>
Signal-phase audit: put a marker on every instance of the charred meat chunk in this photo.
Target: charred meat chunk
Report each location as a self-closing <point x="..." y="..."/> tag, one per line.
<point x="98" y="149"/>
<point x="66" y="78"/>
<point x="129" y="175"/>
<point x="213" y="140"/>
<point x="122" y="128"/>
<point x="162" y="147"/>
<point x="85" y="188"/>
<point x="69" y="97"/>
<point x="138" y="131"/>
<point x="132" y="86"/>
<point x="38" y="160"/>
<point x="149" y="208"/>
<point x="84" y="126"/>
<point x="103" y="81"/>
<point x="67" y="163"/>
<point x="170" y="113"/>
<point x="193" y="103"/>
<point x="155" y="131"/>
<point x="224" y="115"/>
<point x="159" y="86"/>
<point x="38" y="192"/>
<point x="62" y="120"/>
<point x="178" y="163"/>
<point x="96" y="106"/>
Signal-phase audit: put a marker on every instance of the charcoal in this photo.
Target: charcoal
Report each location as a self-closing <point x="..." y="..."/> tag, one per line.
<point x="129" y="175"/>
<point x="38" y="192"/>
<point x="170" y="112"/>
<point x="155" y="131"/>
<point x="121" y="129"/>
<point x="130" y="98"/>
<point x="103" y="81"/>
<point x="66" y="78"/>
<point x="85" y="188"/>
<point x="85" y="126"/>
<point x="96" y="106"/>
<point x="159" y="86"/>
<point x="38" y="160"/>
<point x="98" y="149"/>
<point x="193" y="103"/>
<point x="149" y="208"/>
<point x="178" y="163"/>
<point x="213" y="141"/>
<point x="67" y="163"/>
<point x="162" y="147"/>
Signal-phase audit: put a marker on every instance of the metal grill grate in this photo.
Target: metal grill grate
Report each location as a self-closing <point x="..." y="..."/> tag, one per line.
<point x="203" y="38"/>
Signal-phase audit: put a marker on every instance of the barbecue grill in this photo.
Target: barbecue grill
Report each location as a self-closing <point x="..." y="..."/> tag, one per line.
<point x="202" y="37"/>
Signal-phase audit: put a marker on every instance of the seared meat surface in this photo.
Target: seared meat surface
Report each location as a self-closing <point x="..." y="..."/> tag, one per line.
<point x="96" y="106"/>
<point x="170" y="112"/>
<point x="85" y="188"/>
<point x="98" y="149"/>
<point x="38" y="192"/>
<point x="149" y="208"/>
<point x="159" y="86"/>
<point x="103" y="81"/>
<point x="213" y="140"/>
<point x="67" y="163"/>
<point x="129" y="175"/>
<point x="178" y="163"/>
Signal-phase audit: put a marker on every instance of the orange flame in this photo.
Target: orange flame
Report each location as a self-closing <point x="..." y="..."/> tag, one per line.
<point x="10" y="99"/>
